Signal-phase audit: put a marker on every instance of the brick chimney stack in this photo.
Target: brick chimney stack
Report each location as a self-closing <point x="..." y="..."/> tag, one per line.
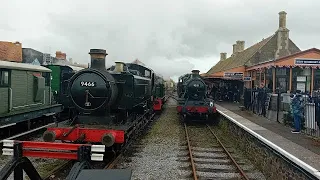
<point x="282" y="20"/>
<point x="60" y="55"/>
<point x="283" y="37"/>
<point x="234" y="50"/>
<point x="17" y="43"/>
<point x="223" y="56"/>
<point x="240" y="46"/>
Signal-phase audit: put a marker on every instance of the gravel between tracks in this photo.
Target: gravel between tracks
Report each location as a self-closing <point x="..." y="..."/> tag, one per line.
<point x="155" y="155"/>
<point x="162" y="152"/>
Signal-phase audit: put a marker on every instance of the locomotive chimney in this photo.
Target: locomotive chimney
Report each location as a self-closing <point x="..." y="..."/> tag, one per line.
<point x="98" y="58"/>
<point x="195" y="72"/>
<point x="119" y="67"/>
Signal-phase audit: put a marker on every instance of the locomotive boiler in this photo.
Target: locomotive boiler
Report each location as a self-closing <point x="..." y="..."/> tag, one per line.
<point x="193" y="103"/>
<point x="111" y="102"/>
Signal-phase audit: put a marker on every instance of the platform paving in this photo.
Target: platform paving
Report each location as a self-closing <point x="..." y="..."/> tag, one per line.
<point x="299" y="145"/>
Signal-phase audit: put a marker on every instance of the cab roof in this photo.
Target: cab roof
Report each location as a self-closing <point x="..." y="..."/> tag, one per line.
<point x="23" y="66"/>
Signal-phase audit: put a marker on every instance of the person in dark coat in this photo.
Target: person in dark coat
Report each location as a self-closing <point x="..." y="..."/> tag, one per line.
<point x="214" y="91"/>
<point x="260" y="99"/>
<point x="297" y="111"/>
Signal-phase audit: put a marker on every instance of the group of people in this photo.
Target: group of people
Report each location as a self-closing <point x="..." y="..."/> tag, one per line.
<point x="256" y="98"/>
<point x="225" y="92"/>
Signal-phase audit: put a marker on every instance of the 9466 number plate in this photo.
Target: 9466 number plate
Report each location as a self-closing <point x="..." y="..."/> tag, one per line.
<point x="87" y="84"/>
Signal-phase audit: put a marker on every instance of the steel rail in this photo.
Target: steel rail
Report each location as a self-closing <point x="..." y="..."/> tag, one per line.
<point x="56" y="170"/>
<point x="29" y="131"/>
<point x="242" y="173"/>
<point x="112" y="163"/>
<point x="194" y="172"/>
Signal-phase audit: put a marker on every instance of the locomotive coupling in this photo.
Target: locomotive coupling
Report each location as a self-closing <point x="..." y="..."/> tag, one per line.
<point x="108" y="139"/>
<point x="50" y="136"/>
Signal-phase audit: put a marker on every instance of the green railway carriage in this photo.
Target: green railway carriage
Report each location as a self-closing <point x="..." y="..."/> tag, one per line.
<point x="25" y="93"/>
<point x="159" y="87"/>
<point x="59" y="81"/>
<point x="158" y="93"/>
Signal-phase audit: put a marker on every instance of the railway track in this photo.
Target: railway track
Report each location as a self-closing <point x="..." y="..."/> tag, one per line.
<point x="62" y="171"/>
<point x="210" y="159"/>
<point x="27" y="132"/>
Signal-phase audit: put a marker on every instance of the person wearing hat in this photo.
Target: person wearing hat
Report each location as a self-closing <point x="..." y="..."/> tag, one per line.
<point x="297" y="111"/>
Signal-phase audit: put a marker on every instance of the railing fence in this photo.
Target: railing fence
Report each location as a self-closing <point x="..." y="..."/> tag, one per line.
<point x="311" y="127"/>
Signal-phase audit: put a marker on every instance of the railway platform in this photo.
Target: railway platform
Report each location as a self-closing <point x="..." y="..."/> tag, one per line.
<point x="298" y="146"/>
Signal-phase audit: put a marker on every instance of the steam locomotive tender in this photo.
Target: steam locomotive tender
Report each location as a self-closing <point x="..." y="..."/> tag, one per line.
<point x="112" y="103"/>
<point x="193" y="103"/>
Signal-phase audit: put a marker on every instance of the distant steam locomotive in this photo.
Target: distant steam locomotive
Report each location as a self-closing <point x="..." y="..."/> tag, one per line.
<point x="193" y="103"/>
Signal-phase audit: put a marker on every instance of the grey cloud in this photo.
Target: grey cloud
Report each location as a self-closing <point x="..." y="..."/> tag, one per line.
<point x="172" y="37"/>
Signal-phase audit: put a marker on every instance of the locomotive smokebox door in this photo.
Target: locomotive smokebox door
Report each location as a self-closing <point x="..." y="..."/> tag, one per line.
<point x="104" y="174"/>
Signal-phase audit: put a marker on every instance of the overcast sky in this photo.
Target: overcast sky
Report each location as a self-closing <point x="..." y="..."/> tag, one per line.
<point x="171" y="36"/>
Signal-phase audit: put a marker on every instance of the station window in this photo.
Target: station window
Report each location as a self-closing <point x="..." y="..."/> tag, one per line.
<point x="301" y="72"/>
<point x="282" y="79"/>
<point x="147" y="73"/>
<point x="4" y="78"/>
<point x="47" y="77"/>
<point x="316" y="85"/>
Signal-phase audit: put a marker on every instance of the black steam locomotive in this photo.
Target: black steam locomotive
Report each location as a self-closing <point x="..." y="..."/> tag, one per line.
<point x="193" y="103"/>
<point x="112" y="103"/>
<point x="113" y="106"/>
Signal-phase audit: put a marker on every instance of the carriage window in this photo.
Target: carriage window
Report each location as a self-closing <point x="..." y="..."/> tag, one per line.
<point x="4" y="78"/>
<point x="147" y="73"/>
<point x="48" y="78"/>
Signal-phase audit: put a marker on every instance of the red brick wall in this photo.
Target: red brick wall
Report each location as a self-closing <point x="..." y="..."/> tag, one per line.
<point x="10" y="51"/>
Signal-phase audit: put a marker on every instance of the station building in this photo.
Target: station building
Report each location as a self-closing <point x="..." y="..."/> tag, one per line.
<point x="276" y="61"/>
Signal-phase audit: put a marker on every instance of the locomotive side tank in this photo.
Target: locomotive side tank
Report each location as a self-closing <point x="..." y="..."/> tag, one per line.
<point x="193" y="103"/>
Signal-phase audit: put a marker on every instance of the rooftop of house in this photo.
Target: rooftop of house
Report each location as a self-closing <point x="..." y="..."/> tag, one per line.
<point x="268" y="48"/>
<point x="239" y="58"/>
<point x="10" y="51"/>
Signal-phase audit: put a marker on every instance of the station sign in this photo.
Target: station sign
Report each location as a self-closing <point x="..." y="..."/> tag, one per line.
<point x="307" y="61"/>
<point x="233" y="75"/>
<point x="247" y="78"/>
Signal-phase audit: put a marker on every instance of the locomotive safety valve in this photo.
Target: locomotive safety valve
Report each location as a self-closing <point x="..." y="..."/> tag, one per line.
<point x="108" y="139"/>
<point x="50" y="136"/>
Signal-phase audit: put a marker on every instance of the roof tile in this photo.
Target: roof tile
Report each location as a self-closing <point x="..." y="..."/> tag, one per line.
<point x="238" y="59"/>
